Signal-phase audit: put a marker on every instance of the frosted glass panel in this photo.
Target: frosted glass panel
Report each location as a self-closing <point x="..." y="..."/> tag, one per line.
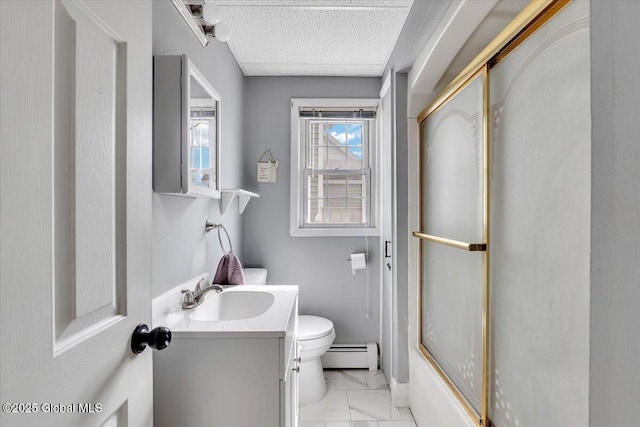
<point x="540" y="110"/>
<point x="451" y="314"/>
<point x="452" y="206"/>
<point x="452" y="167"/>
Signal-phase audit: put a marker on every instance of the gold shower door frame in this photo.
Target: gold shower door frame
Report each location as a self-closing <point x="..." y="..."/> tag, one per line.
<point x="532" y="17"/>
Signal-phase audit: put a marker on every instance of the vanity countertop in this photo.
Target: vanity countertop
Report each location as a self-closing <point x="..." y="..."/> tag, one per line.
<point x="274" y="322"/>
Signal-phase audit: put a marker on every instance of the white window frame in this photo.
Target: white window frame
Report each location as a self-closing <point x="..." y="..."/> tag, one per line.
<point x="297" y="192"/>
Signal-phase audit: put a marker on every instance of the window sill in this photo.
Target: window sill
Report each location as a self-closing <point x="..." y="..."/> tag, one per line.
<point x="334" y="232"/>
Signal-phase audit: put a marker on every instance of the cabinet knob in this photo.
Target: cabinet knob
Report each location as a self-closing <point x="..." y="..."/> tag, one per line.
<point x="297" y="369"/>
<point x="297" y="359"/>
<point x="158" y="338"/>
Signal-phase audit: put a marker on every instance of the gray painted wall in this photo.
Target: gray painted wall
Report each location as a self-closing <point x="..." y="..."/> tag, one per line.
<point x="317" y="264"/>
<point x="180" y="248"/>
<point x="615" y="228"/>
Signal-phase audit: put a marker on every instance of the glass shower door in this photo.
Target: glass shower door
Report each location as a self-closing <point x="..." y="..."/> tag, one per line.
<point x="518" y="355"/>
<point x="540" y="114"/>
<point x="453" y="219"/>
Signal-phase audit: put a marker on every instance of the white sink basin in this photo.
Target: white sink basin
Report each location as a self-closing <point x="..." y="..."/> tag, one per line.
<point x="233" y="306"/>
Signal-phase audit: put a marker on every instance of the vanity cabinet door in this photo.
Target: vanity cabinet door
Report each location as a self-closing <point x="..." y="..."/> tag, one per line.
<point x="295" y="405"/>
<point x="289" y="400"/>
<point x="290" y="365"/>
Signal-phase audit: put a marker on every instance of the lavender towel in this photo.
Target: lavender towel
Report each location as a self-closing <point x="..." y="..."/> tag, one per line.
<point x="229" y="271"/>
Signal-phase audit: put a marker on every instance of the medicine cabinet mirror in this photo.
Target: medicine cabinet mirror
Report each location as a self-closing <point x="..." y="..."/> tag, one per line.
<point x="186" y="137"/>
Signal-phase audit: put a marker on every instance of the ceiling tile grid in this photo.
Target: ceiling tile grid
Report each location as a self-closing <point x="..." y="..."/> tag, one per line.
<point x="319" y="37"/>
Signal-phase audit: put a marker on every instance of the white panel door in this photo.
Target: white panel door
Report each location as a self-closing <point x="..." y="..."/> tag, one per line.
<point x="75" y="212"/>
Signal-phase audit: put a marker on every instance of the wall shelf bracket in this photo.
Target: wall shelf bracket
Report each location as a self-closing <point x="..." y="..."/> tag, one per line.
<point x="229" y="194"/>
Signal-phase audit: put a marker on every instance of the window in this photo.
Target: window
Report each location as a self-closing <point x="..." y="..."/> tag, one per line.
<point x="333" y="159"/>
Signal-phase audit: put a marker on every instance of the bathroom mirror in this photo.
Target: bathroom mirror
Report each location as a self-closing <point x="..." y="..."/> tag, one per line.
<point x="203" y="146"/>
<point x="186" y="136"/>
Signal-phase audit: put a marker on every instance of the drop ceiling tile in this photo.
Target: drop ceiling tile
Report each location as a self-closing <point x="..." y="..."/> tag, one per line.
<point x="313" y="70"/>
<point x="291" y="36"/>
<point x="317" y="3"/>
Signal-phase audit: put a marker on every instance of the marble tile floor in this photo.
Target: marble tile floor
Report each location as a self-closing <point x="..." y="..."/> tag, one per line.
<point x="355" y="398"/>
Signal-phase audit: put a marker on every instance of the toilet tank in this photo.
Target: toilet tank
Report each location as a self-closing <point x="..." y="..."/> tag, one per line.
<point x="255" y="276"/>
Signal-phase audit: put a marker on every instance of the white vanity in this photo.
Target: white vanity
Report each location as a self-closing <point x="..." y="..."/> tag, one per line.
<point x="233" y="360"/>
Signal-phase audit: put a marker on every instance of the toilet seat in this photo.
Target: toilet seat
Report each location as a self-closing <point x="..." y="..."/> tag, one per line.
<point x="313" y="327"/>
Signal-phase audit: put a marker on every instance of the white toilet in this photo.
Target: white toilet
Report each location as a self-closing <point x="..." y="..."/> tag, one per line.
<point x="255" y="276"/>
<point x="315" y="336"/>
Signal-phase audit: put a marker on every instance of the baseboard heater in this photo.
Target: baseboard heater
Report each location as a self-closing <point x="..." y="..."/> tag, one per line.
<point x="345" y="356"/>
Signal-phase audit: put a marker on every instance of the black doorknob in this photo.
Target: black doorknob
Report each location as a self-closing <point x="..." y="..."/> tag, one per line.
<point x="158" y="338"/>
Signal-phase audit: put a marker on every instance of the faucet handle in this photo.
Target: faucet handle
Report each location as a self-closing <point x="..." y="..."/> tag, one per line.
<point x="198" y="287"/>
<point x="188" y="296"/>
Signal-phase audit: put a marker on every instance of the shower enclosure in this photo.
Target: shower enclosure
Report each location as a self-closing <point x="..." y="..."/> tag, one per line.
<point x="505" y="224"/>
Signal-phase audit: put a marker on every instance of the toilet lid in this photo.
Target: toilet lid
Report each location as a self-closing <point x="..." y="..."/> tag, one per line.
<point x="312" y="327"/>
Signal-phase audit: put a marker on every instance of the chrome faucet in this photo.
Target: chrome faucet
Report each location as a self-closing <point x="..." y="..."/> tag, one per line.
<point x="194" y="298"/>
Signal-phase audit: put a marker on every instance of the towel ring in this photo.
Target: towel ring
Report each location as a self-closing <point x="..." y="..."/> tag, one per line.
<point x="208" y="226"/>
<point x="228" y="239"/>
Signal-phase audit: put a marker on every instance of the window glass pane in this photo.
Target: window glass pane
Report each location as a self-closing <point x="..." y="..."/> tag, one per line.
<point x="355" y="210"/>
<point x="354" y="157"/>
<point x="328" y="200"/>
<point x="316" y="133"/>
<point x="336" y="158"/>
<point x="315" y="211"/>
<point x="317" y="157"/>
<point x="316" y="186"/>
<point x="326" y="185"/>
<point x="336" y="216"/>
<point x="356" y="186"/>
<point x="336" y="134"/>
<point x="355" y="143"/>
<point x="336" y="186"/>
<point x="337" y="203"/>
<point x="318" y="216"/>
<point x="334" y="145"/>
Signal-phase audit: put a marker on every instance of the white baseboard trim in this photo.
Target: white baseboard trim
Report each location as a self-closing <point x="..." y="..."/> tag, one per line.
<point x="399" y="394"/>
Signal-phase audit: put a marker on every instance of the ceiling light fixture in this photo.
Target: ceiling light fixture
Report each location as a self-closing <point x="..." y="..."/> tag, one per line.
<point x="211" y="13"/>
<point x="203" y="17"/>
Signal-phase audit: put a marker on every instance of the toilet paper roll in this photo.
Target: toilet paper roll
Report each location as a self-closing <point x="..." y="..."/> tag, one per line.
<point x="358" y="262"/>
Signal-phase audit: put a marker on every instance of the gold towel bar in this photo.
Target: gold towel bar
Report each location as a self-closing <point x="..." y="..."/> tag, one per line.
<point x="473" y="247"/>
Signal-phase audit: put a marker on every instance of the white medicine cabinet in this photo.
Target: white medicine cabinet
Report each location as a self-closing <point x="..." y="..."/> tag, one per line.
<point x="186" y="130"/>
